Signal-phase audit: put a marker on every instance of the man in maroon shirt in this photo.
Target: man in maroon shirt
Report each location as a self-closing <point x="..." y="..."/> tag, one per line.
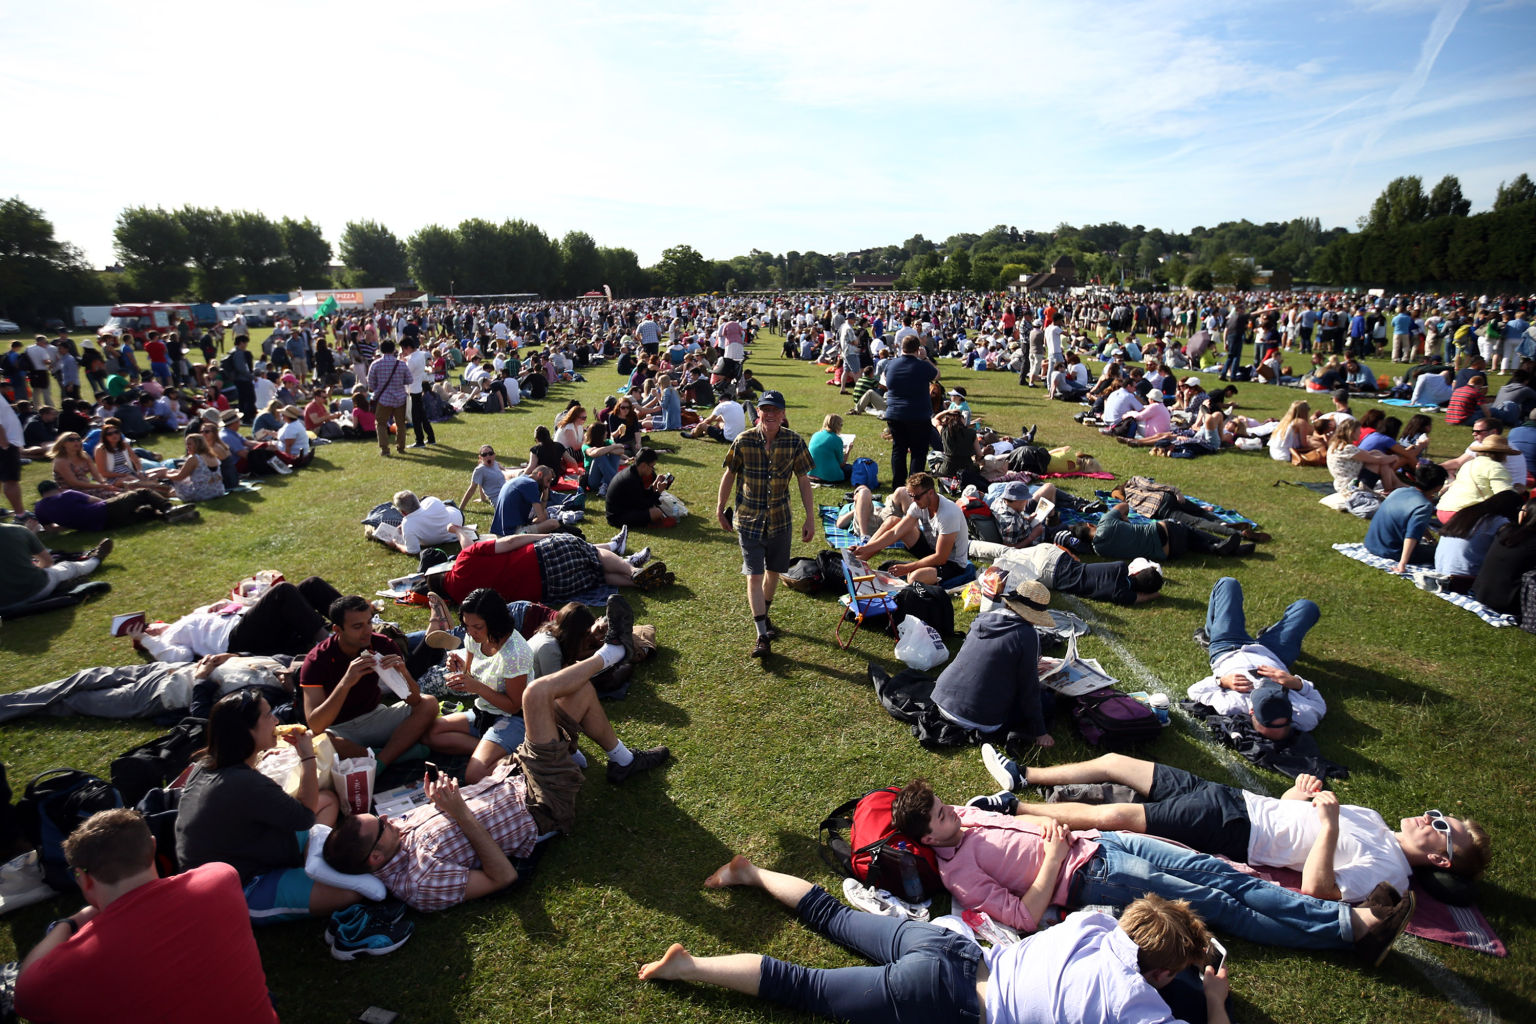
<point x="144" y="948"/>
<point x="340" y="683"/>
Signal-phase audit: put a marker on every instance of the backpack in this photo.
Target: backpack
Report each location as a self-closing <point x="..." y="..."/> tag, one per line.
<point x="158" y="762"/>
<point x="865" y="472"/>
<point x="858" y="840"/>
<point x="54" y="804"/>
<point x="929" y="602"/>
<point x="1114" y="720"/>
<point x="980" y="523"/>
<point x="1029" y="458"/>
<point x="803" y="576"/>
<point x="160" y="808"/>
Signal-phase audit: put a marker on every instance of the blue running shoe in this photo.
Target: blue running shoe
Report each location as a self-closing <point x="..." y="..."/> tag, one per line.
<point x="355" y="931"/>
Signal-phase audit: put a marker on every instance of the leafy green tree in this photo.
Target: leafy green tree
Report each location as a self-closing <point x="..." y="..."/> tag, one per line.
<point x="1010" y="274"/>
<point x="154" y="250"/>
<point x="682" y="271"/>
<point x="433" y="255"/>
<point x="1174" y="270"/>
<point x="373" y="255"/>
<point x="308" y="253"/>
<point x="533" y="258"/>
<point x="985" y="269"/>
<point x="1445" y="199"/>
<point x="621" y="272"/>
<point x="210" y="237"/>
<point x="581" y="264"/>
<point x="41" y="276"/>
<point x="1200" y="279"/>
<point x="957" y="269"/>
<point x="487" y="263"/>
<point x="1402" y="202"/>
<point x="261" y="254"/>
<point x="1521" y="190"/>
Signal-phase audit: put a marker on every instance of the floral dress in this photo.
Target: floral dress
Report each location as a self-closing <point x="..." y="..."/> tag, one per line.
<point x="204" y="483"/>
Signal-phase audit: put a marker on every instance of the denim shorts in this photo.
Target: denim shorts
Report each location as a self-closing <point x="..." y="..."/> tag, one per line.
<point x="769" y="553"/>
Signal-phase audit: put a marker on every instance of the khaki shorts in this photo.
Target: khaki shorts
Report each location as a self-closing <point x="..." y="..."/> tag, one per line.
<point x="373" y="728"/>
<point x="552" y="779"/>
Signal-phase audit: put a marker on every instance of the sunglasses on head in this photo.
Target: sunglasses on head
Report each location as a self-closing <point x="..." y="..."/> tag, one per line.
<point x="1438" y="822"/>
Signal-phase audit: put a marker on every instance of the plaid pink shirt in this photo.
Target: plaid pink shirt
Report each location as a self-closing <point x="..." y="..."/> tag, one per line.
<point x="431" y="869"/>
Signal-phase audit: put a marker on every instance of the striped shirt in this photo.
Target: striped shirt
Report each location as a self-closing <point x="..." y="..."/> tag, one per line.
<point x="431" y="869"/>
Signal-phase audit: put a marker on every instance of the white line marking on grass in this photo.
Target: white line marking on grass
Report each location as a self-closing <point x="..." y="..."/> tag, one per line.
<point x="1415" y="950"/>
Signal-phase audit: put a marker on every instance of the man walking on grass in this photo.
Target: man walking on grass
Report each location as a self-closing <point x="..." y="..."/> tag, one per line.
<point x="760" y="464"/>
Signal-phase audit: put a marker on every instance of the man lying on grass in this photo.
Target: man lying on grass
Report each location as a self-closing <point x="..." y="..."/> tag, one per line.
<point x="458" y="849"/>
<point x="1085" y="969"/>
<point x="1016" y="867"/>
<point x="1343" y="852"/>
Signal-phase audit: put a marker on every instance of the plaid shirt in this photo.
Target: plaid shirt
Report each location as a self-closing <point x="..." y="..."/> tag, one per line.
<point x="762" y="480"/>
<point x="431" y="869"/>
<point x="387" y="378"/>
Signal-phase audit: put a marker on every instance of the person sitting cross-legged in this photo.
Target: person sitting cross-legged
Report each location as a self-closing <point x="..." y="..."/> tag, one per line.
<point x="339" y="680"/>
<point x="1085" y="970"/>
<point x="458" y="849"/>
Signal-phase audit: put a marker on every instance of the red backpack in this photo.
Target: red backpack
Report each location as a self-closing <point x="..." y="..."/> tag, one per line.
<point x="859" y="840"/>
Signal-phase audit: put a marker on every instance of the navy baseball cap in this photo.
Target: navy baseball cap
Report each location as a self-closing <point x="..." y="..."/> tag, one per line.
<point x="772" y="399"/>
<point x="1272" y="705"/>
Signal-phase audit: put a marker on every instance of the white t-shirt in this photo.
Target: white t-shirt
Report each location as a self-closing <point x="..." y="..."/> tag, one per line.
<point x="1283" y="832"/>
<point x="951" y="522"/>
<point x="428" y="525"/>
<point x="416" y="362"/>
<point x="265" y="391"/>
<point x="294" y="431"/>
<point x="733" y="418"/>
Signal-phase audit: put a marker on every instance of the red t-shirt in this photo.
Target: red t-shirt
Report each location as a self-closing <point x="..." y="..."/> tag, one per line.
<point x="325" y="665"/>
<point x="514" y="575"/>
<point x="156" y="351"/>
<point x="178" y="949"/>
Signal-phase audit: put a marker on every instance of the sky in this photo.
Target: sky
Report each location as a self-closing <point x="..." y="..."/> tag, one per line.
<point x="793" y="125"/>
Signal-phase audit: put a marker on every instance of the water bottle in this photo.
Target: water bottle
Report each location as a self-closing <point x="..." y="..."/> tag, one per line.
<point x="1159" y="702"/>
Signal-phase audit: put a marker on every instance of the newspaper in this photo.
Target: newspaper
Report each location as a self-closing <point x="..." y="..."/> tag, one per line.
<point x="1073" y="676"/>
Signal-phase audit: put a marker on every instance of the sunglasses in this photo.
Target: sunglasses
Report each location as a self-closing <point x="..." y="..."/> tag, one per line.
<point x="1438" y="822"/>
<point x="383" y="827"/>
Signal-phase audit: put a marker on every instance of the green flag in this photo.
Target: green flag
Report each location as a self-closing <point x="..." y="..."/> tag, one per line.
<point x="326" y="308"/>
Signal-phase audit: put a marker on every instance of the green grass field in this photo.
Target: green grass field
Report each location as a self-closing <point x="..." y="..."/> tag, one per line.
<point x="1427" y="706"/>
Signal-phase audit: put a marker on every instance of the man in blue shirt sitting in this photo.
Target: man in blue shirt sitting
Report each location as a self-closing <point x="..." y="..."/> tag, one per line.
<point x="1399" y="527"/>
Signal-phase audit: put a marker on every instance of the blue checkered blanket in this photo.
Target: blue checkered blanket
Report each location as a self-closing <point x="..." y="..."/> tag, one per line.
<point x="1482" y="611"/>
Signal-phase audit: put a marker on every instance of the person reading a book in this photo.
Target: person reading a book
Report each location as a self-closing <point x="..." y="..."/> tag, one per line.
<point x="340" y="681"/>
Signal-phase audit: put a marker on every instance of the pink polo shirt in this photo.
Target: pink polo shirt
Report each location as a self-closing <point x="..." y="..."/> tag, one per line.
<point x="997" y="860"/>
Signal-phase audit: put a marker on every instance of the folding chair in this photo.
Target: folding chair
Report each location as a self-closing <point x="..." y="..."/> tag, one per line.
<point x="863" y="600"/>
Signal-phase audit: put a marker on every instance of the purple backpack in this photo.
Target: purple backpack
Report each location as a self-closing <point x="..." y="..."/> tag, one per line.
<point x="1108" y="718"/>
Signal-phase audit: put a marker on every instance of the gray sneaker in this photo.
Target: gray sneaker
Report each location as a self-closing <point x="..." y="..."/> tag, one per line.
<point x="639" y="558"/>
<point x="644" y="761"/>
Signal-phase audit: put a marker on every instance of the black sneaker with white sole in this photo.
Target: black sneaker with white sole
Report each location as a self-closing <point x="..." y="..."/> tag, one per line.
<point x="642" y="761"/>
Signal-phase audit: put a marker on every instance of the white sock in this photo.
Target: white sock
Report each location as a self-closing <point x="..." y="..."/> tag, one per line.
<point x="620" y="755"/>
<point x="579" y="759"/>
<point x="608" y="545"/>
<point x="612" y="654"/>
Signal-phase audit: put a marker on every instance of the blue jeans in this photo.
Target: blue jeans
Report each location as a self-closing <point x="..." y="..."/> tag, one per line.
<point x="927" y="974"/>
<point x="604" y="468"/>
<point x="1234" y="360"/>
<point x="1128" y="865"/>
<point x="1228" y="630"/>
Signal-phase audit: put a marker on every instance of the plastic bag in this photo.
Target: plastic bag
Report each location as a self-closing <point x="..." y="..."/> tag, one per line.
<point x="672" y="505"/>
<point x="970" y="597"/>
<point x="919" y="644"/>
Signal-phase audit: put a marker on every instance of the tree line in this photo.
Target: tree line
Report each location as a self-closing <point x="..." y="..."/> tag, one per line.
<point x="1410" y="238"/>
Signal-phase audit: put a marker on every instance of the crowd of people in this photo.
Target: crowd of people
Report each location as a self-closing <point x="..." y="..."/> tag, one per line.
<point x="513" y="665"/>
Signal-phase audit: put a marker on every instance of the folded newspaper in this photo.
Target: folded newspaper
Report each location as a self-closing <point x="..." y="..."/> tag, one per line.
<point x="1073" y="676"/>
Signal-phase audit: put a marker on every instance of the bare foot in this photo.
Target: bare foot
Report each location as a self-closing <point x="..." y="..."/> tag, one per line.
<point x="737" y="872"/>
<point x="673" y="965"/>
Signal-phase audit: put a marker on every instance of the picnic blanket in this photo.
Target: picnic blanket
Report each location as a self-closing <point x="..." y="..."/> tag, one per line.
<point x="1482" y="611"/>
<point x="1063" y="476"/>
<point x="837" y="536"/>
<point x="1406" y="404"/>
<point x="1226" y="515"/>
<point x="1432" y="919"/>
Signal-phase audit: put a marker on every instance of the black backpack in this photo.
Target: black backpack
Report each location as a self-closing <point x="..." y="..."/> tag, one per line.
<point x="157" y="763"/>
<point x="803" y="576"/>
<point x="929" y="602"/>
<point x="54" y="805"/>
